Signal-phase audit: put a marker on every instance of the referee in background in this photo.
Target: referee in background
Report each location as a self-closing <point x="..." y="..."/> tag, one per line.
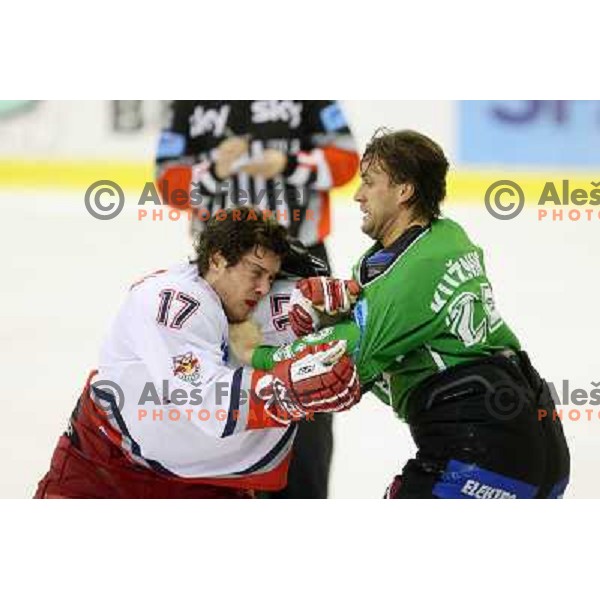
<point x="282" y="156"/>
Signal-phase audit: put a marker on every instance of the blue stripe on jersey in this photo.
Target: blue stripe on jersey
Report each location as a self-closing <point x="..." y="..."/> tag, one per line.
<point x="234" y="403"/>
<point x="135" y="448"/>
<point x="469" y="481"/>
<point x="269" y="456"/>
<point x="381" y="258"/>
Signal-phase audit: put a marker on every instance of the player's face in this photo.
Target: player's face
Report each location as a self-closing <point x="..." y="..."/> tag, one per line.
<point x="241" y="286"/>
<point x="378" y="199"/>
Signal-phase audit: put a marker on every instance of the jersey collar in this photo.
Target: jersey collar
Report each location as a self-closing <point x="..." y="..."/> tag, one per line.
<point x="378" y="259"/>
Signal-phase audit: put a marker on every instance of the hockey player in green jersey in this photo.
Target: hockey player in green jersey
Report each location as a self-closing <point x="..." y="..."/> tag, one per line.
<point x="427" y="339"/>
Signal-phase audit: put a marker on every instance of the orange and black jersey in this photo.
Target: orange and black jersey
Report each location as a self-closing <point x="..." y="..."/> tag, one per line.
<point x="313" y="134"/>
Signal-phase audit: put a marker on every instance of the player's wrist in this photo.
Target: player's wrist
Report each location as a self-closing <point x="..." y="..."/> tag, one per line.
<point x="263" y="358"/>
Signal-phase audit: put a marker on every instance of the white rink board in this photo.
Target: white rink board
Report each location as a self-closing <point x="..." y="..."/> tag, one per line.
<point x="66" y="273"/>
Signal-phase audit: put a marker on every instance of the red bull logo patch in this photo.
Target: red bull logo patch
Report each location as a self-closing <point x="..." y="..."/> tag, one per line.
<point x="187" y="368"/>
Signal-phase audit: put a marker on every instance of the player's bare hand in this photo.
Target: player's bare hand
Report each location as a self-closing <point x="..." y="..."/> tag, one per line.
<point x="271" y="163"/>
<point x="228" y="152"/>
<point x="243" y="340"/>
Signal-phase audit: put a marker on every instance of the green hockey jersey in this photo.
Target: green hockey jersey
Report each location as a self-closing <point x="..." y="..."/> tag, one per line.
<point x="426" y="304"/>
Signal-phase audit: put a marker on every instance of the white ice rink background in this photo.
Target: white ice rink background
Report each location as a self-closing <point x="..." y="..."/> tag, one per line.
<point x="66" y="273"/>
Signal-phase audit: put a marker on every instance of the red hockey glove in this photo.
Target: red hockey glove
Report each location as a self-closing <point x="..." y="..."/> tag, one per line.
<point x="333" y="297"/>
<point x="320" y="379"/>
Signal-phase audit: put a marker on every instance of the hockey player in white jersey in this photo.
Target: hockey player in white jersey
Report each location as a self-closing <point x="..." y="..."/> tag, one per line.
<point x="166" y="415"/>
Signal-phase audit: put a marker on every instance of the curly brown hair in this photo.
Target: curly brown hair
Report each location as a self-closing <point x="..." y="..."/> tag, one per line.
<point x="410" y="157"/>
<point x="237" y="231"/>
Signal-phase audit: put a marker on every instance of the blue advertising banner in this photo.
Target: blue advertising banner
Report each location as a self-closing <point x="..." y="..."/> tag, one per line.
<point x="529" y="132"/>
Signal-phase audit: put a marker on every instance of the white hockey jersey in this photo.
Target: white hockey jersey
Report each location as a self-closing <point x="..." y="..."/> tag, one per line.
<point x="271" y="314"/>
<point x="177" y="405"/>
